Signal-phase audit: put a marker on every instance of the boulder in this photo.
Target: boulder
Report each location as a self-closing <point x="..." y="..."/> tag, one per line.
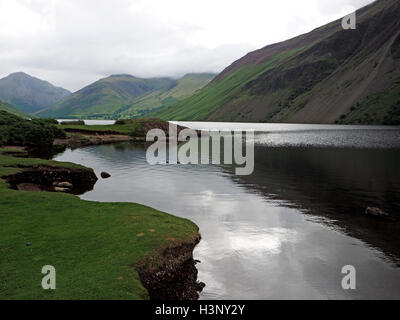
<point x="105" y="175"/>
<point x="63" y="184"/>
<point x="376" y="212"/>
<point x="58" y="189"/>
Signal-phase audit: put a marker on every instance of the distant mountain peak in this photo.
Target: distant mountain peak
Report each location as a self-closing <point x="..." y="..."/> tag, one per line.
<point x="19" y="73"/>
<point x="124" y="96"/>
<point x="29" y="94"/>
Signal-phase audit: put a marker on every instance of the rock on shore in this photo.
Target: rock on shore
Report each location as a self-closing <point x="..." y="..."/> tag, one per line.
<point x="171" y="274"/>
<point x="49" y="178"/>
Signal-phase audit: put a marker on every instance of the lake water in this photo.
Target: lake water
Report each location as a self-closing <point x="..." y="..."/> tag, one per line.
<point x="286" y="231"/>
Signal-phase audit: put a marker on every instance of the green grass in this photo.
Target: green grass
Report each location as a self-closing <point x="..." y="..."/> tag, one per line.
<point x="92" y="245"/>
<point x="6" y="150"/>
<point x="123" y="129"/>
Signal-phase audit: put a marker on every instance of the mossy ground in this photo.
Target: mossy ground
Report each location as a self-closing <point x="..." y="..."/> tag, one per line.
<point x="92" y="245"/>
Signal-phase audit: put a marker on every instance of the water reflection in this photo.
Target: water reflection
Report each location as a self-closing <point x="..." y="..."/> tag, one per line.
<point x="336" y="184"/>
<point x="283" y="232"/>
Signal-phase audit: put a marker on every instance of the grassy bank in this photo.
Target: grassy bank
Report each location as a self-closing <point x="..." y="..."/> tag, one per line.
<point x="131" y="127"/>
<point x="93" y="246"/>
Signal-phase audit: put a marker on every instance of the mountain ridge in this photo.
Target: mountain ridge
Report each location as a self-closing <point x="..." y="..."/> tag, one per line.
<point x="317" y="77"/>
<point x="125" y="96"/>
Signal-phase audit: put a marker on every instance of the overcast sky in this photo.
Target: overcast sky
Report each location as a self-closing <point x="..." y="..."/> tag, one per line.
<point x="72" y="43"/>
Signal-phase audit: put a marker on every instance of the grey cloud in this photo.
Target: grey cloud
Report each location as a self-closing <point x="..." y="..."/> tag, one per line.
<point x="72" y="43"/>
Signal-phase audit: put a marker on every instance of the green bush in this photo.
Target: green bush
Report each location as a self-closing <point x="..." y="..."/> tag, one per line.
<point x="37" y="133"/>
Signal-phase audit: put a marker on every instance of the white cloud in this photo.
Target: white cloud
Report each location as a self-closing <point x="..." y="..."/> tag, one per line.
<point x="72" y="43"/>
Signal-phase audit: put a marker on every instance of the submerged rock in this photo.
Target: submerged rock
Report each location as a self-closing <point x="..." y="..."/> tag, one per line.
<point x="200" y="286"/>
<point x="105" y="175"/>
<point x="376" y="212"/>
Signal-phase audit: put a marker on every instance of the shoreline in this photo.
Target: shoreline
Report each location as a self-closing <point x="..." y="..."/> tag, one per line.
<point x="171" y="273"/>
<point x="172" y="277"/>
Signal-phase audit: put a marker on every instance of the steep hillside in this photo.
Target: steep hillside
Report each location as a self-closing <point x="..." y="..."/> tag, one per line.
<point x="10" y="109"/>
<point x="328" y="75"/>
<point x="29" y="94"/>
<point x="124" y="96"/>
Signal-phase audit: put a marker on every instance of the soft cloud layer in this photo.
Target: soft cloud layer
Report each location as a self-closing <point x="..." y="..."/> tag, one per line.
<point x="72" y="43"/>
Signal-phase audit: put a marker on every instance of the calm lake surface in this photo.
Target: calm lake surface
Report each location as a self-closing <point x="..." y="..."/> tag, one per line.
<point x="286" y="231"/>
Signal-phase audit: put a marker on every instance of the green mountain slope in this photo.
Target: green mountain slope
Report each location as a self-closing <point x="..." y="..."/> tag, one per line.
<point x="28" y="93"/>
<point x="10" y="109"/>
<point x="157" y="100"/>
<point x="125" y="96"/>
<point x="328" y="75"/>
<point x="106" y="97"/>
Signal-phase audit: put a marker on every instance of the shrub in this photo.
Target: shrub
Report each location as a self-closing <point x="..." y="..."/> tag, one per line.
<point x="37" y="133"/>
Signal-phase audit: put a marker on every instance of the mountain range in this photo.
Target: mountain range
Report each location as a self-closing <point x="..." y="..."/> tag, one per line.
<point x="29" y="94"/>
<point x="125" y="96"/>
<point x="329" y="75"/>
